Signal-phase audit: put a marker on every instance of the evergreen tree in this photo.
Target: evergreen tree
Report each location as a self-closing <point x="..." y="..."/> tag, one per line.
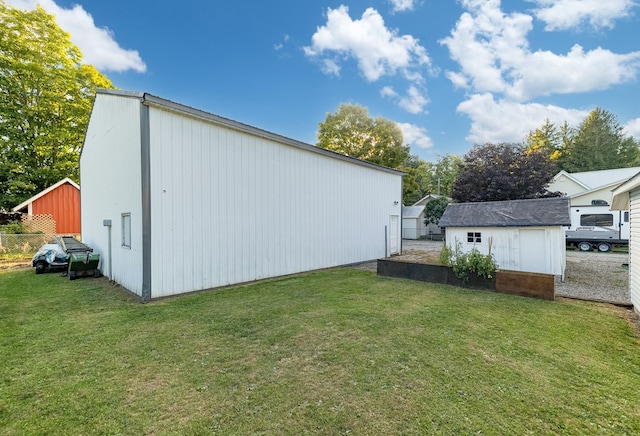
<point x="599" y="144"/>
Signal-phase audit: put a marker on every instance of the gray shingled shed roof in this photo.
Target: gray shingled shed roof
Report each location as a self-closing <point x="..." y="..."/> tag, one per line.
<point x="513" y="213"/>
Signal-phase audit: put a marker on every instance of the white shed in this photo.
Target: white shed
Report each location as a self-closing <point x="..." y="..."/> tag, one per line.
<point x="523" y="235"/>
<point x="413" y="226"/>
<point x="627" y="197"/>
<point x="176" y="200"/>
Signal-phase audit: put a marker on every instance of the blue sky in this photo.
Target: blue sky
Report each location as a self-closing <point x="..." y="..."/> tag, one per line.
<point x="450" y="73"/>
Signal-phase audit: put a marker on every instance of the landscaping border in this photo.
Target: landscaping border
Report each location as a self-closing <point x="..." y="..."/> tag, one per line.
<point x="525" y="284"/>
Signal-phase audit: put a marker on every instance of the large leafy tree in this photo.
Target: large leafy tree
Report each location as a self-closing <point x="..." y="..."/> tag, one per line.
<point x="443" y="174"/>
<point x="599" y="144"/>
<point x="416" y="169"/>
<point x="425" y="178"/>
<point x="434" y="209"/>
<point x="46" y="95"/>
<point x="352" y="132"/>
<point x="495" y="172"/>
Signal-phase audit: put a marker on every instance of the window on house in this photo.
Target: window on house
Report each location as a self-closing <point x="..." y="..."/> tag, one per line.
<point x="626" y="217"/>
<point x="474" y="237"/>
<point x="596" y="220"/>
<point x="126" y="230"/>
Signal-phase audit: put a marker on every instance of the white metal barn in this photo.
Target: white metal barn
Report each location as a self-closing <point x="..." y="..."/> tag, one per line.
<point x="176" y="200"/>
<point x="627" y="197"/>
<point x="523" y="235"/>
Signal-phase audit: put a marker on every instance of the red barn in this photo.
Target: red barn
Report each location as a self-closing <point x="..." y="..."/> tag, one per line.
<point x="58" y="208"/>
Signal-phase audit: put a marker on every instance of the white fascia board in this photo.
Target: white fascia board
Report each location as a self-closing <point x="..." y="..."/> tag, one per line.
<point x="620" y="195"/>
<point x="45" y="192"/>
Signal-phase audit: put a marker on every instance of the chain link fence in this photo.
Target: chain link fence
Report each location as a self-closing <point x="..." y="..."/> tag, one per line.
<point x="22" y="246"/>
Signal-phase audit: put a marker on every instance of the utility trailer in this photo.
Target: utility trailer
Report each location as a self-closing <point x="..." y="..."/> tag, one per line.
<point x="597" y="227"/>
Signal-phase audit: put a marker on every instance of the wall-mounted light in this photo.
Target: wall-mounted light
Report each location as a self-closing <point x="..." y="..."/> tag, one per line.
<point x="395" y="203"/>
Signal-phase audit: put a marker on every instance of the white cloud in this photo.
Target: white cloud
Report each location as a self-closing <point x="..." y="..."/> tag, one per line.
<point x="508" y="121"/>
<point x="577" y="71"/>
<point x="378" y="50"/>
<point x="415" y="135"/>
<point x="413" y="102"/>
<point x="493" y="52"/>
<point x="402" y="5"/>
<point x="98" y="45"/>
<point x="566" y="14"/>
<point x="280" y="45"/>
<point x="633" y="128"/>
<point x="389" y="92"/>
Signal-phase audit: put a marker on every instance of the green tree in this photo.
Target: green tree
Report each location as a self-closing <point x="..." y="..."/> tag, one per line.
<point x="548" y="139"/>
<point x="412" y="184"/>
<point x="434" y="209"/>
<point x="495" y="172"/>
<point x="46" y="95"/>
<point x="425" y="178"/>
<point x="599" y="144"/>
<point x="443" y="174"/>
<point x="352" y="132"/>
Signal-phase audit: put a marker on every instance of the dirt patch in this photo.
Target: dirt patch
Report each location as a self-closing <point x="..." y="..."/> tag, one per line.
<point x="634" y="319"/>
<point x="418" y="257"/>
<point x="15" y="264"/>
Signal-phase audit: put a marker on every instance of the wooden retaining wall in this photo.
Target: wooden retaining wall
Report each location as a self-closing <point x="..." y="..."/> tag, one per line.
<point x="525" y="284"/>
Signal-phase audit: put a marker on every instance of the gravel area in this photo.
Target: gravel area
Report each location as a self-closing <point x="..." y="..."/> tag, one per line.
<point x="590" y="276"/>
<point x="596" y="276"/>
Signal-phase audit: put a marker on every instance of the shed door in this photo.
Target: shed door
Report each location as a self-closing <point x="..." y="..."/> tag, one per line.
<point x="533" y="251"/>
<point x="393" y="235"/>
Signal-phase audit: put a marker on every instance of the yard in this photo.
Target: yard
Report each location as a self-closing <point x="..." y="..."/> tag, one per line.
<point x="340" y="351"/>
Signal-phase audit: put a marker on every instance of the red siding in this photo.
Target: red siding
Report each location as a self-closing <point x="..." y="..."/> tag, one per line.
<point x="64" y="204"/>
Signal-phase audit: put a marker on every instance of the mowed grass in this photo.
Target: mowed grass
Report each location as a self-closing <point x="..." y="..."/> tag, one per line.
<point x="332" y="352"/>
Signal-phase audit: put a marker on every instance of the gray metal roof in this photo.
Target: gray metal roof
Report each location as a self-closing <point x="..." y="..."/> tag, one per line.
<point x="412" y="211"/>
<point x="513" y="213"/>
<point x="151" y="100"/>
<point x="601" y="178"/>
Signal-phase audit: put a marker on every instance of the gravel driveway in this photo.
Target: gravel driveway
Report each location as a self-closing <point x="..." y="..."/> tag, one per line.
<point x="596" y="276"/>
<point x="588" y="276"/>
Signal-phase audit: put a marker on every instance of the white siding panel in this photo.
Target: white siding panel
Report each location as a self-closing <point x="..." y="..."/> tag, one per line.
<point x="410" y="228"/>
<point x="634" y="249"/>
<point x="507" y="247"/>
<point x="229" y="207"/>
<point x="110" y="185"/>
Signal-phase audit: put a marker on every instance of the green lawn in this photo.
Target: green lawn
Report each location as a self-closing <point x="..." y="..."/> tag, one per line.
<point x="334" y="352"/>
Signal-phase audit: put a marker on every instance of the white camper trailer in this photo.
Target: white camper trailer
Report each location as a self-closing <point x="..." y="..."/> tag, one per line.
<point x="596" y="226"/>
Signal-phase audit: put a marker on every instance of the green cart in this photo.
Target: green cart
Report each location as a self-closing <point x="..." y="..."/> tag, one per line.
<point x="83" y="265"/>
<point x="83" y="262"/>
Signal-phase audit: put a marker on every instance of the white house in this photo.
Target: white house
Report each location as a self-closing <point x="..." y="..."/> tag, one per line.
<point x="584" y="187"/>
<point x="176" y="200"/>
<point x="523" y="235"/>
<point x="627" y="196"/>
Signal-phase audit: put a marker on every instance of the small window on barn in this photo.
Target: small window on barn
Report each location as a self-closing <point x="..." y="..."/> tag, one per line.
<point x="626" y="217"/>
<point x="596" y="220"/>
<point x="474" y="237"/>
<point x="126" y="230"/>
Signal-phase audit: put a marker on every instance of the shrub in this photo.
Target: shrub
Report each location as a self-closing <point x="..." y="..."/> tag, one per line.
<point x="13" y="228"/>
<point x="463" y="264"/>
